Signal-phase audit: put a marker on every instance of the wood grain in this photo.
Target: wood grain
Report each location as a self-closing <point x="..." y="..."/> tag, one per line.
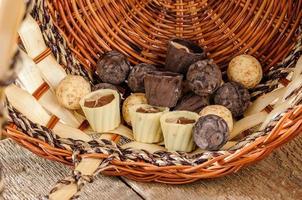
<point x="279" y="176"/>
<point x="29" y="177"/>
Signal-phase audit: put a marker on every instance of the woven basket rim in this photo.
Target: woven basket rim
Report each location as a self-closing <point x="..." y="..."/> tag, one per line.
<point x="286" y="127"/>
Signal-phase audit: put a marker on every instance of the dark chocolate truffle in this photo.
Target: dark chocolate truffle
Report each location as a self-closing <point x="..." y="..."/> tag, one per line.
<point x="192" y="102"/>
<point x="181" y="54"/>
<point x="136" y="76"/>
<point x="104" y="86"/>
<point x="163" y="88"/>
<point x="204" y="77"/>
<point x="210" y="132"/>
<point x="113" y="68"/>
<point x="233" y="96"/>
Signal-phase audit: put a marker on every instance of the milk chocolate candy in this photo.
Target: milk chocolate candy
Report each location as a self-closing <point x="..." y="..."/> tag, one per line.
<point x="136" y="76"/>
<point x="192" y="102"/>
<point x="233" y="96"/>
<point x="104" y="86"/>
<point x="181" y="54"/>
<point x="163" y="88"/>
<point x="204" y="77"/>
<point x="210" y="132"/>
<point x="113" y="68"/>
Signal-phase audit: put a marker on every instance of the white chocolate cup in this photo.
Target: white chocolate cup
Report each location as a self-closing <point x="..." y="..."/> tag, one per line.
<point x="146" y="126"/>
<point x="104" y="118"/>
<point x="178" y="137"/>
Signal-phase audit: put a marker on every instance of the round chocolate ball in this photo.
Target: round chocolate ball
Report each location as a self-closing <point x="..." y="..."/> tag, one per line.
<point x="210" y="132"/>
<point x="233" y="96"/>
<point x="137" y="75"/>
<point x="104" y="86"/>
<point x="113" y="68"/>
<point x="204" y="77"/>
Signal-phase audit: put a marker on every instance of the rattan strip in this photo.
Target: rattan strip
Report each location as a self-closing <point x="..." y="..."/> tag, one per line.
<point x="140" y="29"/>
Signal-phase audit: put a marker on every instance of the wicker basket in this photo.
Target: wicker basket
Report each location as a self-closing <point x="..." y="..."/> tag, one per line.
<point x="78" y="32"/>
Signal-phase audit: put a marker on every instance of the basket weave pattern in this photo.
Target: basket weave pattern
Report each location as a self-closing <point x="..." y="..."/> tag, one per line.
<point x="225" y="28"/>
<point x="140" y="29"/>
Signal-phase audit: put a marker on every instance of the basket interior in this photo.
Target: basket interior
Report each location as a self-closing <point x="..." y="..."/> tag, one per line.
<point x="141" y="29"/>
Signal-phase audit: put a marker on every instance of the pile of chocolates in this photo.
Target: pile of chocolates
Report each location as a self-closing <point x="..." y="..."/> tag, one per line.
<point x="185" y="103"/>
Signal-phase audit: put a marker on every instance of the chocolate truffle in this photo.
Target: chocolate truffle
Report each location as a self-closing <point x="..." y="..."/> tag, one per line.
<point x="163" y="88"/>
<point x="70" y="91"/>
<point x="210" y="132"/>
<point x="245" y="69"/>
<point x="204" y="77"/>
<point x="220" y="111"/>
<point x="104" y="86"/>
<point x="192" y="102"/>
<point x="136" y="76"/>
<point x="113" y="68"/>
<point x="233" y="96"/>
<point x="181" y="54"/>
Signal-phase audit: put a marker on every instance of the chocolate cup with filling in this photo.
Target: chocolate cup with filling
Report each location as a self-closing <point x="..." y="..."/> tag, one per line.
<point x="181" y="54"/>
<point x="192" y="102"/>
<point x="102" y="109"/>
<point x="145" y="120"/>
<point x="177" y="130"/>
<point x="163" y="88"/>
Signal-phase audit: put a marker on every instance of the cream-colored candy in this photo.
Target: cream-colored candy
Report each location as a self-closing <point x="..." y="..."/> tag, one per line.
<point x="146" y="125"/>
<point x="104" y="118"/>
<point x="220" y="111"/>
<point x="134" y="99"/>
<point x="178" y="136"/>
<point x="70" y="91"/>
<point x="245" y="69"/>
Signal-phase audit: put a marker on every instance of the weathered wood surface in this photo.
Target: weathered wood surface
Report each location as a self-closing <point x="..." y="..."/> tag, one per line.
<point x="277" y="177"/>
<point x="29" y="177"/>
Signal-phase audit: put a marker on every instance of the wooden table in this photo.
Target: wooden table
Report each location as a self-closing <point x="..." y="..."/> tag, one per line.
<point x="277" y="177"/>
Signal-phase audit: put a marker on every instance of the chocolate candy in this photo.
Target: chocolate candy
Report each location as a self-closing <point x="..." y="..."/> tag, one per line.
<point x="163" y="88"/>
<point x="95" y="102"/>
<point x="113" y="68"/>
<point x="192" y="102"/>
<point x="104" y="86"/>
<point x="210" y="132"/>
<point x="136" y="76"/>
<point x="246" y="70"/>
<point x="233" y="96"/>
<point x="204" y="77"/>
<point x="181" y="54"/>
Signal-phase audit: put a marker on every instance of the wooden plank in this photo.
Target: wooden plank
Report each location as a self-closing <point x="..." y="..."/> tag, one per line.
<point x="30" y="177"/>
<point x="277" y="177"/>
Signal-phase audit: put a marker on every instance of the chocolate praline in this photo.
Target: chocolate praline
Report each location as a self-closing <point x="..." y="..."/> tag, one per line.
<point x="210" y="132"/>
<point x="163" y="88"/>
<point x="181" y="54"/>
<point x="204" y="77"/>
<point x="113" y="68"/>
<point x="233" y="96"/>
<point x="137" y="75"/>
<point x="192" y="102"/>
<point x="104" y="86"/>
